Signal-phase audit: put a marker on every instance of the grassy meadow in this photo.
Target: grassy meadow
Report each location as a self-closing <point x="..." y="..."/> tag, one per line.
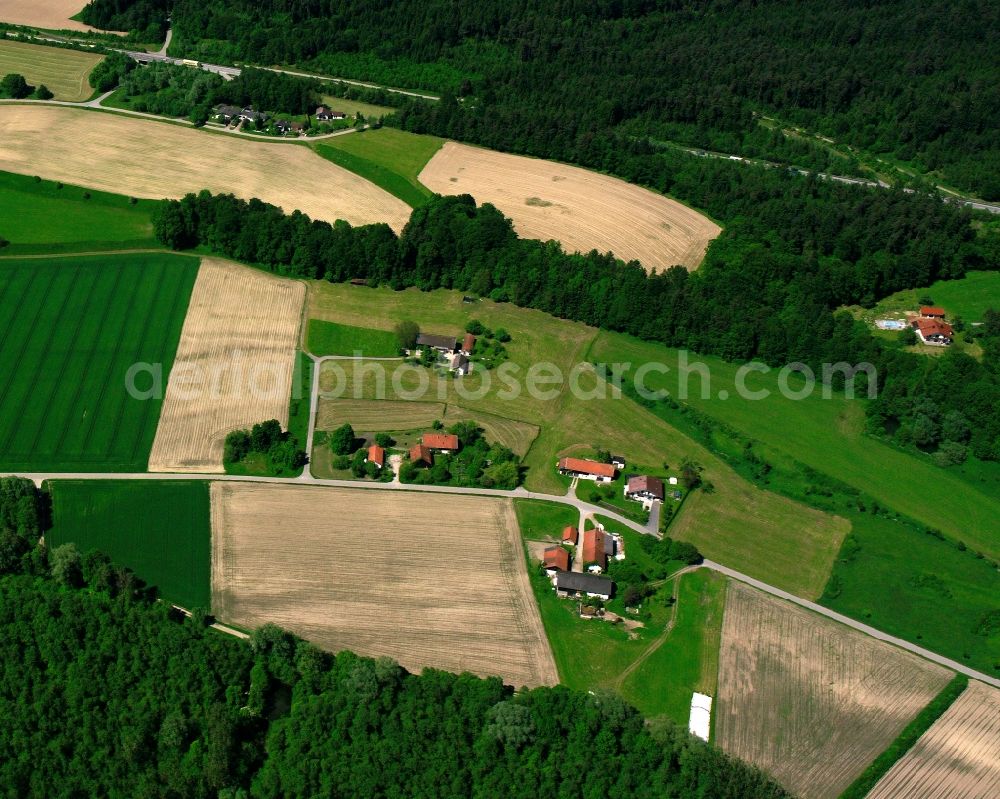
<point x="64" y="72"/>
<point x="37" y="216"/>
<point x="72" y="328"/>
<point x="967" y="297"/>
<point x="159" y="529"/>
<point x="540" y="520"/>
<point x="355" y="107"/>
<point x="330" y="338"/>
<point x="828" y="436"/>
<point x="387" y="157"/>
<point x="777" y="540"/>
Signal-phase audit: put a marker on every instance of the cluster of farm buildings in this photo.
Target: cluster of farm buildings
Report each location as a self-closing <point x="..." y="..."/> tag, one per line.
<point x="452" y="354"/>
<point x="232" y="114"/>
<point x="640" y="487"/>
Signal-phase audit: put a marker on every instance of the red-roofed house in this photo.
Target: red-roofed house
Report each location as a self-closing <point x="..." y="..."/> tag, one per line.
<point x="588" y="470"/>
<point x="421" y="454"/>
<point x="556" y="559"/>
<point x="933" y="331"/>
<point x="468" y="344"/>
<point x="376" y="455"/>
<point x="594" y="547"/>
<point x="569" y="534"/>
<point x="932" y="311"/>
<point x="440" y="442"/>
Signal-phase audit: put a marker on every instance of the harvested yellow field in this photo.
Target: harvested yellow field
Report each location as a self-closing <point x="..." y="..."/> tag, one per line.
<point x="808" y="700"/>
<point x="233" y="366"/>
<point x="957" y="758"/>
<point x="376" y="416"/>
<point x="150" y="159"/>
<point x="583" y="210"/>
<point x="51" y="14"/>
<point x="427" y="579"/>
<point x="63" y="72"/>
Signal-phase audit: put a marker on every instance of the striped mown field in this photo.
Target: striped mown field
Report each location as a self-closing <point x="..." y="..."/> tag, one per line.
<point x="70" y="329"/>
<point x="64" y="72"/>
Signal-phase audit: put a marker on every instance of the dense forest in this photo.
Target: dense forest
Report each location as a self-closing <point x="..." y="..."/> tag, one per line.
<point x="106" y="692"/>
<point x="916" y="81"/>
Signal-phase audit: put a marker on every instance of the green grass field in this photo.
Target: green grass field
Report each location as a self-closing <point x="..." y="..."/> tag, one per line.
<point x="64" y="72"/>
<point x="688" y="658"/>
<point x="330" y="338"/>
<point x="768" y="536"/>
<point x="353" y="107"/>
<point x="828" y="435"/>
<point x="539" y="520"/>
<point x="967" y="297"/>
<point x="910" y="584"/>
<point x="387" y="157"/>
<point x="158" y="528"/>
<point x="36" y="216"/>
<point x="71" y="329"/>
<point x="298" y="403"/>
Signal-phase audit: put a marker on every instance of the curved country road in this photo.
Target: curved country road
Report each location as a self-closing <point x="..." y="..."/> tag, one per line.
<point x="521" y="493"/>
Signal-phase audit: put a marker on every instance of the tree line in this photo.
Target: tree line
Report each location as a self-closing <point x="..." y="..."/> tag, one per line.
<point x="107" y="692"/>
<point x="775" y="301"/>
<point x="706" y="75"/>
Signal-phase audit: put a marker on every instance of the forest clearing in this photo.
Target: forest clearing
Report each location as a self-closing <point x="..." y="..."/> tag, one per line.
<point x="152" y="159"/>
<point x="958" y="757"/>
<point x="811" y="701"/>
<point x="428" y="580"/>
<point x="583" y="210"/>
<point x="233" y="367"/>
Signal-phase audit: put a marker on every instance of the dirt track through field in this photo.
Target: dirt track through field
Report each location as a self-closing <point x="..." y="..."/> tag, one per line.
<point x="429" y="580"/>
<point x="233" y="366"/>
<point x="957" y="758"/>
<point x="584" y="210"/>
<point x="52" y="14"/>
<point x="150" y="159"/>
<point x="807" y="699"/>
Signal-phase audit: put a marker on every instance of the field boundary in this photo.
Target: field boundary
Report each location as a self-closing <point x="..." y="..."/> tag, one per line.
<point x="906" y="740"/>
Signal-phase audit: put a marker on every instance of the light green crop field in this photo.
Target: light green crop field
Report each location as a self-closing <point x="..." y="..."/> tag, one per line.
<point x="777" y="540"/>
<point x="330" y="338"/>
<point x="71" y="329"/>
<point x="37" y="216"/>
<point x="828" y="436"/>
<point x="388" y="157"/>
<point x="64" y="72"/>
<point x="159" y="529"/>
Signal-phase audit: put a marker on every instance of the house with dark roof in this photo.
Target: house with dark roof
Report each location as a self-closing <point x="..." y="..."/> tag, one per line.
<point x="443" y="344"/>
<point x="577" y="584"/>
<point x="249" y="115"/>
<point x="376" y="455"/>
<point x="556" y="559"/>
<point x="440" y="442"/>
<point x="587" y="469"/>
<point x="643" y="487"/>
<point x="422" y="455"/>
<point x="227" y="113"/>
<point x="324" y="114"/>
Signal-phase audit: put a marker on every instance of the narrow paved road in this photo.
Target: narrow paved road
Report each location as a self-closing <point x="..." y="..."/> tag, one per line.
<point x="521" y="493"/>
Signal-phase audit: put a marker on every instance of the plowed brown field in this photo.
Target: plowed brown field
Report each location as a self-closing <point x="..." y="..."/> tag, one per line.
<point x="957" y="758"/>
<point x="233" y="366"/>
<point x="430" y="580"/>
<point x="583" y="210"/>
<point x="807" y="699"/>
<point x="146" y="158"/>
